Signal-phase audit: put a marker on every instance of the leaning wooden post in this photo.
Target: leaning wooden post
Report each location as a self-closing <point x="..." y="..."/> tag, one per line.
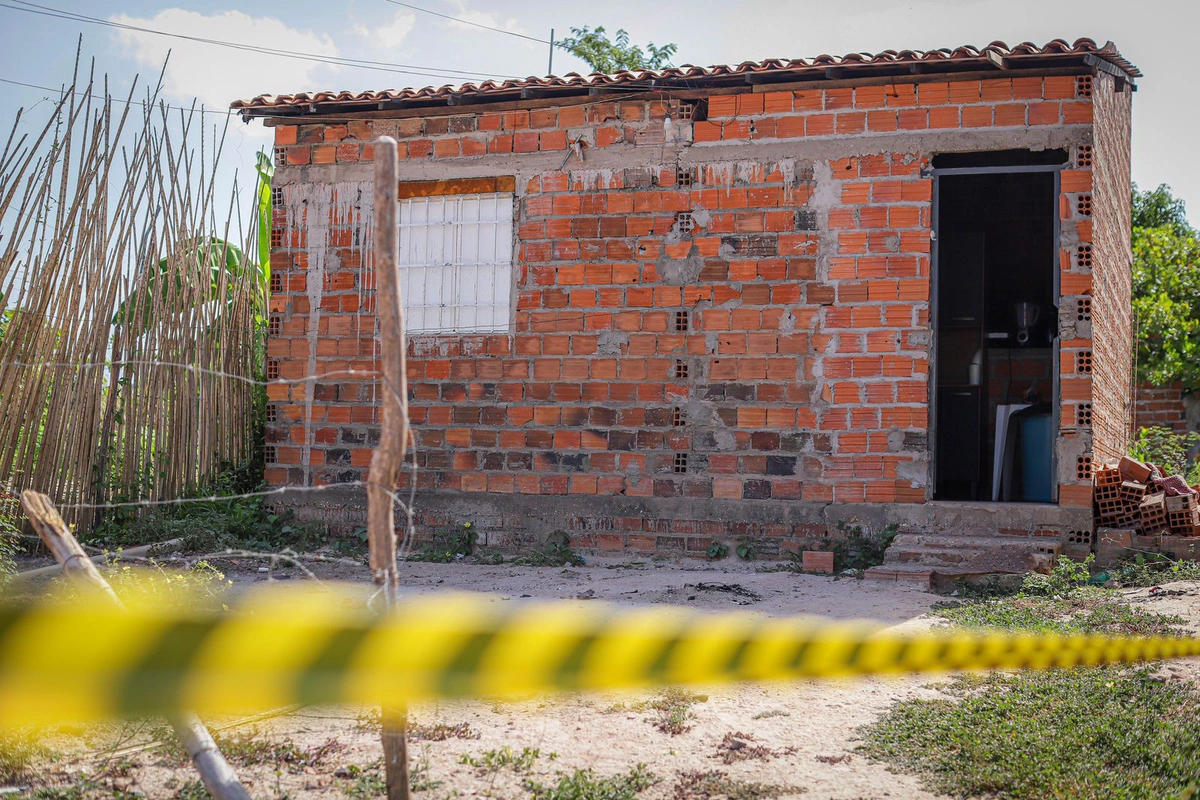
<point x="216" y="774"/>
<point x="393" y="436"/>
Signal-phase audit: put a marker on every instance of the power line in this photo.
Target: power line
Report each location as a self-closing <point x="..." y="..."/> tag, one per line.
<point x="62" y="90"/>
<point x="468" y="22"/>
<point x="381" y="66"/>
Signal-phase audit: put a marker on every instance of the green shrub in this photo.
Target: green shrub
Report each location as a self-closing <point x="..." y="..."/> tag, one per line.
<point x="1080" y="733"/>
<point x="854" y="549"/>
<point x="1168" y="449"/>
<point x="1151" y="569"/>
<point x="240" y="523"/>
<point x="449" y="545"/>
<point x="556" y="552"/>
<point x="582" y="784"/>
<point x="19" y="750"/>
<point x="1085" y="732"/>
<point x="8" y="549"/>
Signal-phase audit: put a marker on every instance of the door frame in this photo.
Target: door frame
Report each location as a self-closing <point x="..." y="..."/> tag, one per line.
<point x="1056" y="409"/>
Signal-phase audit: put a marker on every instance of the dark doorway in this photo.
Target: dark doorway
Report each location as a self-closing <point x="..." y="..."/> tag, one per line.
<point x="996" y="326"/>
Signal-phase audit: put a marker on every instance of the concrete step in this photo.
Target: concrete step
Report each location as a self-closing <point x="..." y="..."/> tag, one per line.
<point x="910" y="574"/>
<point x="954" y="554"/>
<point x="968" y="541"/>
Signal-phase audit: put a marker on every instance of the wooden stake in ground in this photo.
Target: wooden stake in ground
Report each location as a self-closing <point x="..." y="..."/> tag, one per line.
<point x="216" y="774"/>
<point x="389" y="455"/>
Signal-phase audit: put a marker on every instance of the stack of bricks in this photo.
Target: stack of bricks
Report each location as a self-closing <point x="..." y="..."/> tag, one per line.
<point x="1136" y="497"/>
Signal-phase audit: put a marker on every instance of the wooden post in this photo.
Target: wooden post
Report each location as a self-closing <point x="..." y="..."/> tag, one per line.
<point x="393" y="436"/>
<point x="216" y="774"/>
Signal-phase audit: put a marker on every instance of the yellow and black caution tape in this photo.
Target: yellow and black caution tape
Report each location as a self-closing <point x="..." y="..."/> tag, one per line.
<point x="78" y="661"/>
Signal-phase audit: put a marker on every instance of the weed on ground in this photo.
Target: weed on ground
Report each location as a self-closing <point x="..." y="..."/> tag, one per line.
<point x="584" y="784"/>
<point x="737" y="746"/>
<point x="503" y="758"/>
<point x="231" y="521"/>
<point x="672" y="709"/>
<point x="19" y="752"/>
<point x="1151" y="569"/>
<point x="1086" y="733"/>
<point x="1094" y="732"/>
<point x="717" y="785"/>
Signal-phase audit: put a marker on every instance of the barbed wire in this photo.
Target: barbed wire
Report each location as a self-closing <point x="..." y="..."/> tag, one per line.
<point x="209" y="371"/>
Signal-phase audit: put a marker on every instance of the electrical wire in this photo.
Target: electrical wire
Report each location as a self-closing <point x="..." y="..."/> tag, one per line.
<point x="62" y="90"/>
<point x="380" y="66"/>
<point x="473" y="24"/>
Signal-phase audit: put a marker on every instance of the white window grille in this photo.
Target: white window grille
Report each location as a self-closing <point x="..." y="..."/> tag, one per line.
<point x="456" y="262"/>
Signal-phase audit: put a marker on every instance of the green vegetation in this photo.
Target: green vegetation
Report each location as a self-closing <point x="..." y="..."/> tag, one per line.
<point x="1062" y="602"/>
<point x="582" y="784"/>
<point x="855" y="549"/>
<point x="8" y="548"/>
<point x="1151" y="569"/>
<point x="1170" y="449"/>
<point x="672" y="709"/>
<point x="366" y="782"/>
<point x="449" y="545"/>
<point x="418" y="777"/>
<point x="504" y="758"/>
<point x="602" y="55"/>
<point x="698" y="785"/>
<point x="19" y="750"/>
<point x="237" y="522"/>
<point x="1166" y="289"/>
<point x="1088" y="610"/>
<point x="201" y="585"/>
<point x="1085" y="733"/>
<point x="1089" y="732"/>
<point x="555" y="552"/>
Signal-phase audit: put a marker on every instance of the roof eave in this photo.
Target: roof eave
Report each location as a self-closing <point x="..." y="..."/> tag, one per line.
<point x="1103" y="59"/>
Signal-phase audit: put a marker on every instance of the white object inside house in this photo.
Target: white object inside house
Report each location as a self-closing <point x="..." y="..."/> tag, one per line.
<point x="1003" y="412"/>
<point x="456" y="256"/>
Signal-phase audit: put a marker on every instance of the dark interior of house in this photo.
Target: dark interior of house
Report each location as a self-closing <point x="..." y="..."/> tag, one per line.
<point x="995" y="325"/>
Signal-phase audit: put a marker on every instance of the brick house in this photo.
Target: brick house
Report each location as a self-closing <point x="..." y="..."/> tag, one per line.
<point x="658" y="309"/>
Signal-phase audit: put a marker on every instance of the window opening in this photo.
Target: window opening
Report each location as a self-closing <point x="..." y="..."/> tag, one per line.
<point x="456" y="262"/>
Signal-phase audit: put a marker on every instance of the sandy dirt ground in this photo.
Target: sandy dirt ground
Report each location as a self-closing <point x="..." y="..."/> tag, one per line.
<point x="798" y="738"/>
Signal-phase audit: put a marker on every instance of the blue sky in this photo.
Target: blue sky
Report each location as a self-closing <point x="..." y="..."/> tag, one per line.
<point x="1155" y="34"/>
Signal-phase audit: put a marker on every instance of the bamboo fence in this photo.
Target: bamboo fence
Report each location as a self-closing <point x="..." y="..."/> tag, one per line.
<point x="126" y="360"/>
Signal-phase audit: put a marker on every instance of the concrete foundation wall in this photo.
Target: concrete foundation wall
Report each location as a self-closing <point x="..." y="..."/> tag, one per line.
<point x="751" y="292"/>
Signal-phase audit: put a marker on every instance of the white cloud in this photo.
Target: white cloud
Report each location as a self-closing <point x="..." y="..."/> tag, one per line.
<point x="391" y="35"/>
<point x="219" y="75"/>
<point x="484" y="18"/>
